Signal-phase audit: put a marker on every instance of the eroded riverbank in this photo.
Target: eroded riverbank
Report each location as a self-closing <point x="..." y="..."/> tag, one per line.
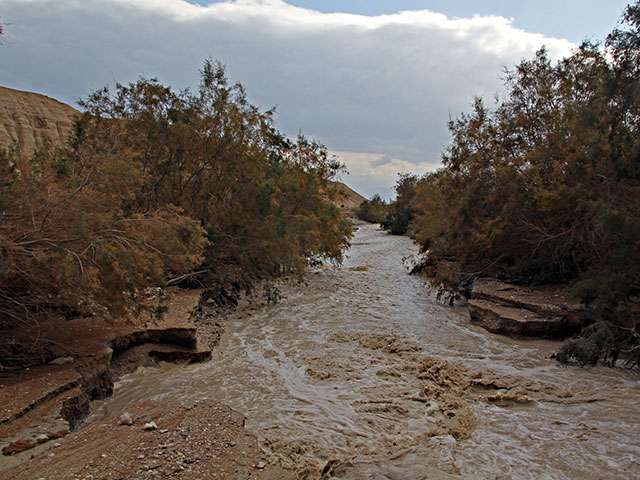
<point x="362" y="374"/>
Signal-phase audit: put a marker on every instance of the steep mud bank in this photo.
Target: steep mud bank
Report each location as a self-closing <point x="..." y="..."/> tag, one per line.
<point x="42" y="403"/>
<point x="361" y="373"/>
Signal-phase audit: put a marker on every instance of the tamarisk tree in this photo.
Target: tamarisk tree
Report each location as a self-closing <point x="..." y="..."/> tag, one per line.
<point x="158" y="185"/>
<point x="544" y="187"/>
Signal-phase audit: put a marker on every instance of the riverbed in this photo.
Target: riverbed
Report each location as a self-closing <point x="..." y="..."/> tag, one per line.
<point x="359" y="372"/>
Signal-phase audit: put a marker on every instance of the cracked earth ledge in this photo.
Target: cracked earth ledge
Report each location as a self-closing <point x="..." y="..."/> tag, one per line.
<point x="42" y="407"/>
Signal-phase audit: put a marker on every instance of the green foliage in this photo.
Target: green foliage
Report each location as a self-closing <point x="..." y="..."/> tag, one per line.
<point x="154" y="184"/>
<point x="545" y="187"/>
<point x="403" y="209"/>
<point x="373" y="210"/>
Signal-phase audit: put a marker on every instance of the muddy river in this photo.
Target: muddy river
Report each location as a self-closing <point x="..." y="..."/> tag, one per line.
<point x="361" y="373"/>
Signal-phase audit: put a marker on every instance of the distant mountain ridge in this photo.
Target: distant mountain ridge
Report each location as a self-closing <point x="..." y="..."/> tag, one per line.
<point x="30" y="120"/>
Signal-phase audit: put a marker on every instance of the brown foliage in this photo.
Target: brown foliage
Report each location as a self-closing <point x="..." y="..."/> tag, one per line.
<point x="66" y="242"/>
<point x="545" y="187"/>
<point x="154" y="184"/>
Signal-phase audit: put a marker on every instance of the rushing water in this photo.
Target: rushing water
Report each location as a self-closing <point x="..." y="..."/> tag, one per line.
<point x="329" y="378"/>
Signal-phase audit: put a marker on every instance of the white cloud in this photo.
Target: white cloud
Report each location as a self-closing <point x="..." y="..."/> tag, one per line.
<point x="382" y="86"/>
<point x="371" y="173"/>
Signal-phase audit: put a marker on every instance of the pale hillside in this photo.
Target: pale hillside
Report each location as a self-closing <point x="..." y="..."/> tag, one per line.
<point x="30" y="120"/>
<point x="348" y="199"/>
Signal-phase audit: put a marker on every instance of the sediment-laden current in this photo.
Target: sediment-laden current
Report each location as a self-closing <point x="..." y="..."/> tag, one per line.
<point x="361" y="373"/>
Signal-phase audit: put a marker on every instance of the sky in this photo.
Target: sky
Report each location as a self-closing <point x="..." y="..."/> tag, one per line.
<point x="376" y="81"/>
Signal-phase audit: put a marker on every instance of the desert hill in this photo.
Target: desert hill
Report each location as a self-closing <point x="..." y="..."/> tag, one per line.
<point x="348" y="199"/>
<point x="30" y="120"/>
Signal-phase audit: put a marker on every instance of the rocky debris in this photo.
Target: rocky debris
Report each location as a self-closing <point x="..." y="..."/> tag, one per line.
<point x="126" y="419"/>
<point x="58" y="434"/>
<point x="414" y="264"/>
<point x="517" y="311"/>
<point x="150" y="426"/>
<point x="61" y="361"/>
<point x="206" y="440"/>
<point x="18" y="447"/>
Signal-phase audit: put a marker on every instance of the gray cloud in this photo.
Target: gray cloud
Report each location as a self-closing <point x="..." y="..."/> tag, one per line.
<point x="384" y="86"/>
<point x="381" y="161"/>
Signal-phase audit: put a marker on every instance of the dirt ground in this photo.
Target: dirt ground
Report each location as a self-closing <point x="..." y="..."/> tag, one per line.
<point x="201" y="441"/>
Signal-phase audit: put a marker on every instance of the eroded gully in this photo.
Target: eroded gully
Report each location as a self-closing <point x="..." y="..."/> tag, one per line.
<point x="363" y="374"/>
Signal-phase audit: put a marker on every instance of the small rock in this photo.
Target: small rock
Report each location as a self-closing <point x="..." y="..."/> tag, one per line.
<point x="17" y="447"/>
<point x="61" y="361"/>
<point x="125" y="419"/>
<point x="164" y="430"/>
<point x="150" y="426"/>
<point x="42" y="438"/>
<point x="56" y="445"/>
<point x="261" y="465"/>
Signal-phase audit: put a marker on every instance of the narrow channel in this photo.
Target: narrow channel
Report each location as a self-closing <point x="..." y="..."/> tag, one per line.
<point x="361" y="373"/>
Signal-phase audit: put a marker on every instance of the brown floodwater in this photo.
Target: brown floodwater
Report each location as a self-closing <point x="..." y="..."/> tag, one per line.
<point x="361" y="373"/>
